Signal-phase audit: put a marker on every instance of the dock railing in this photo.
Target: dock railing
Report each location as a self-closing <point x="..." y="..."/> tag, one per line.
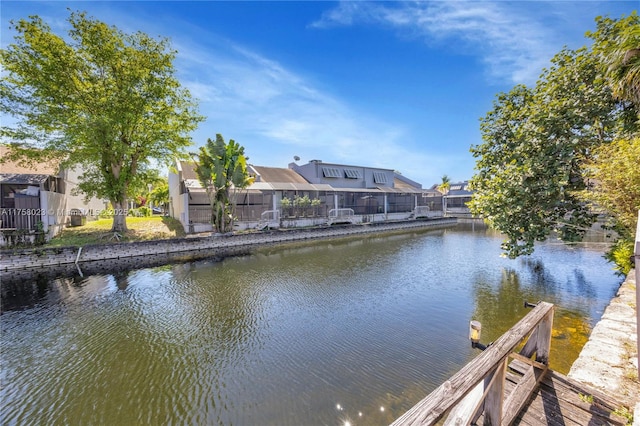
<point x="478" y="388"/>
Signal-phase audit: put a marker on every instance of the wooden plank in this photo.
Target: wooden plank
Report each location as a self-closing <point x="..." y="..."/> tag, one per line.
<point x="528" y="361"/>
<point x="606" y="400"/>
<point x="432" y="408"/>
<point x="495" y="396"/>
<point x="579" y="412"/>
<point x="537" y="414"/>
<point x="522" y="393"/>
<point x="559" y="396"/>
<point x="575" y="407"/>
<point x="530" y="347"/>
<point x="543" y="345"/>
<point x="465" y="410"/>
<point x="513" y="376"/>
<point x="567" y="385"/>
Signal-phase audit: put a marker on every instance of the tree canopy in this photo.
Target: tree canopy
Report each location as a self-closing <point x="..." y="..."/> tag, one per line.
<point x="615" y="171"/>
<point x="222" y="169"/>
<point x="99" y="98"/>
<point x="537" y="142"/>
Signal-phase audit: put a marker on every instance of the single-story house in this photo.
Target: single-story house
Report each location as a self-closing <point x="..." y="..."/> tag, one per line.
<point x="456" y="199"/>
<point x="303" y="195"/>
<point x="38" y="197"/>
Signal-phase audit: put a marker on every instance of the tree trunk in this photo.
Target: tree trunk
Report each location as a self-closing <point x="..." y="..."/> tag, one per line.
<point x="119" y="216"/>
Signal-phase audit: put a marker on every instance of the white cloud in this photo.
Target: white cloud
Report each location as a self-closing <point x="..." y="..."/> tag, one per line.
<point x="514" y="44"/>
<point x="273" y="111"/>
<point x="244" y="93"/>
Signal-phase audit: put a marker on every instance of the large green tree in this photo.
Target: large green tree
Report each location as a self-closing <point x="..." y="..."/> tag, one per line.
<point x="99" y="98"/>
<point x="222" y="169"/>
<point x="537" y="141"/>
<point x="614" y="170"/>
<point x="160" y="194"/>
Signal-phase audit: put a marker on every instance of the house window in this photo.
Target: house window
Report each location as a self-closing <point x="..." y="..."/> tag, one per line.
<point x="331" y="172"/>
<point x="379" y="177"/>
<point x="352" y="173"/>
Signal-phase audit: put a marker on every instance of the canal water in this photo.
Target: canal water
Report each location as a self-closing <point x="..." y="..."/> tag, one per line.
<point x="326" y="333"/>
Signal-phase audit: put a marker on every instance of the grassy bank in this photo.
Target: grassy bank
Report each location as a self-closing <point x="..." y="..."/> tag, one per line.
<point x="99" y="231"/>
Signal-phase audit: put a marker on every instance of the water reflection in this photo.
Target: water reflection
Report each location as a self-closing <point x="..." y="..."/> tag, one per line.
<point x="353" y="330"/>
<point x="498" y="305"/>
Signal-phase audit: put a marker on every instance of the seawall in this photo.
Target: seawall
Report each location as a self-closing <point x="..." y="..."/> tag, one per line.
<point x="20" y="264"/>
<point x="609" y="360"/>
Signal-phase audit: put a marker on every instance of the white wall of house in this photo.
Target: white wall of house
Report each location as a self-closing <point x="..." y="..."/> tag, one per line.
<point x="91" y="207"/>
<point x="54" y="209"/>
<point x="174" y="193"/>
<point x="182" y="210"/>
<point x="178" y="203"/>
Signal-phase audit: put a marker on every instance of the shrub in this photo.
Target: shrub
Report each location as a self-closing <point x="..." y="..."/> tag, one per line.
<point x="144" y="211"/>
<point x="621" y="253"/>
<point x="285" y="202"/>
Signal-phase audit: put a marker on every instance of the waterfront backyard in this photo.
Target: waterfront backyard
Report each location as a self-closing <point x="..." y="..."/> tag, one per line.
<point x="327" y="332"/>
<point x="98" y="231"/>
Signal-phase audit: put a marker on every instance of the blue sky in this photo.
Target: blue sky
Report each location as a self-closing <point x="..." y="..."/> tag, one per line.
<point x="398" y="85"/>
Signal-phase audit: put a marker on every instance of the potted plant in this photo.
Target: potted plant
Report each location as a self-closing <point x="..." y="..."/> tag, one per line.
<point x="315" y="203"/>
<point x="302" y="203"/>
<point x="285" y="204"/>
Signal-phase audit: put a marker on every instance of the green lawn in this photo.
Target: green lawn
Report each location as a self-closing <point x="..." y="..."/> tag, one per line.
<point x="98" y="232"/>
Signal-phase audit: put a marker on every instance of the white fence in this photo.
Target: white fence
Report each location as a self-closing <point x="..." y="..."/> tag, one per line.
<point x="19" y="218"/>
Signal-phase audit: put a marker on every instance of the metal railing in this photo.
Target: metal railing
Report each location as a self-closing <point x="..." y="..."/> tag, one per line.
<point x="421" y="211"/>
<point x="269" y="219"/>
<point x="200" y="214"/>
<point x="341" y="216"/>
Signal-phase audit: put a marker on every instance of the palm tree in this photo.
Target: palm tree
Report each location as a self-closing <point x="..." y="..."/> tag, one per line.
<point x="222" y="169"/>
<point x="444" y="190"/>
<point x="445" y="185"/>
<point x="617" y="42"/>
<point x="624" y="69"/>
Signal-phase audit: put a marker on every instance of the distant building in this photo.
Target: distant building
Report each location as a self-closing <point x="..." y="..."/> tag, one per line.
<point x="456" y="199"/>
<point x="39" y="196"/>
<point x="305" y="195"/>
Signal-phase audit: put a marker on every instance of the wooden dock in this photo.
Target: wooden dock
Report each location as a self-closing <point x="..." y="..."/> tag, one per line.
<point x="559" y="400"/>
<point x="505" y="386"/>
